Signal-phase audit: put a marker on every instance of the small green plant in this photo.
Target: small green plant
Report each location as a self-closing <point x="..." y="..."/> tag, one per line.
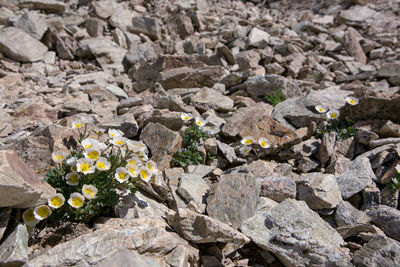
<point x="395" y="183"/>
<point x="189" y="154"/>
<point x="343" y="128"/>
<point x="87" y="180"/>
<point x="275" y="98"/>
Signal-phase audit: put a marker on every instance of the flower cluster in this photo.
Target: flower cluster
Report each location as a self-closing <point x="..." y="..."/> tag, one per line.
<point x="87" y="179"/>
<point x="248" y="141"/>
<point x="334" y="114"/>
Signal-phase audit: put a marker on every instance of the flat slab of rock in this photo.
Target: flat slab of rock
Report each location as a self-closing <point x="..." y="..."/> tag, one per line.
<point x="278" y="188"/>
<point x="46" y="5"/>
<point x="379" y="251"/>
<point x="297" y="235"/>
<point x="162" y="142"/>
<point x="257" y="122"/>
<point x="356" y="177"/>
<point x="14" y="250"/>
<point x="387" y="219"/>
<point x="192" y="187"/>
<point x="319" y="190"/>
<point x="347" y="214"/>
<point x="212" y="99"/>
<point x="234" y="199"/>
<point x="20" y="186"/>
<point x="19" y="45"/>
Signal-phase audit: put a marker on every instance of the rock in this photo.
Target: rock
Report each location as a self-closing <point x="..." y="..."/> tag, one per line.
<point x="129" y="258"/>
<point x="19" y="45"/>
<point x="228" y="152"/>
<point x="198" y="228"/>
<point x="182" y="25"/>
<point x="4" y="218"/>
<point x="319" y="191"/>
<point x="14" y="249"/>
<point x="306" y="164"/>
<point x="296" y="65"/>
<point x="353" y="47"/>
<point x="5" y="15"/>
<point x="126" y="123"/>
<point x="211" y="99"/>
<point x="105" y="9"/>
<point x="371" y="196"/>
<point x="258" y="168"/>
<point x="356" y="15"/>
<point x="192" y="187"/>
<point x="143" y="235"/>
<point x="234" y="198"/>
<point x="20" y="186"/>
<point x="258" y="38"/>
<point x="117" y="91"/>
<point x="52" y="6"/>
<point x="296" y="235"/>
<point x="122" y="19"/>
<point x="379" y="251"/>
<point x="389" y="70"/>
<point x="347" y="214"/>
<point x="256" y="122"/>
<point x="326" y="149"/>
<point x="389" y="197"/>
<point x="162" y="143"/>
<point x="247" y="59"/>
<point x="389" y="129"/>
<point x="387" y="219"/>
<point x="142" y="53"/>
<point x="356" y="177"/>
<point x="278" y="188"/>
<point x="94" y="27"/>
<point x="32" y="23"/>
<point x="145" y="25"/>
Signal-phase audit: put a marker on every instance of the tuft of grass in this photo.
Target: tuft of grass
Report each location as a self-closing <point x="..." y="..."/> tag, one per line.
<point x="275" y="98"/>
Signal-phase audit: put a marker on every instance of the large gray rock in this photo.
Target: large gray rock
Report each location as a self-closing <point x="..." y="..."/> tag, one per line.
<point x="297" y="236"/>
<point x="356" y="177"/>
<point x="20" y="186"/>
<point x="319" y="190"/>
<point x="128" y="258"/>
<point x="278" y="188"/>
<point x="53" y="6"/>
<point x="162" y="142"/>
<point x="347" y="214"/>
<point x="14" y="250"/>
<point x="192" y="187"/>
<point x="234" y="199"/>
<point x="19" y="45"/>
<point x="386" y="218"/>
<point x="258" y="38"/>
<point x="378" y="252"/>
<point x="32" y="23"/>
<point x="145" y="25"/>
<point x="211" y="99"/>
<point x="143" y="235"/>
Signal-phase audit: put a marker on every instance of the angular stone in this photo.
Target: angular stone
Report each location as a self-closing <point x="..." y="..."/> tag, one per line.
<point x="144" y="235"/>
<point x="228" y="151"/>
<point x="387" y="219"/>
<point x="389" y="70"/>
<point x="4" y="218"/>
<point x="296" y="235"/>
<point x="182" y="25"/>
<point x="19" y="45"/>
<point x="278" y="188"/>
<point x="126" y="123"/>
<point x="198" y="228"/>
<point x="32" y="23"/>
<point x="129" y="258"/>
<point x="105" y="9"/>
<point x="162" y="143"/>
<point x="356" y="177"/>
<point x="347" y="214"/>
<point x="145" y="25"/>
<point x="379" y="251"/>
<point x="192" y="187"/>
<point x="117" y="91"/>
<point x="296" y="65"/>
<point x="211" y="99"/>
<point x="53" y="6"/>
<point x="122" y="19"/>
<point x="353" y="47"/>
<point x="319" y="191"/>
<point x="248" y="59"/>
<point x="5" y="15"/>
<point x="356" y="15"/>
<point x="326" y="149"/>
<point x="94" y="27"/>
<point x="20" y="186"/>
<point x="14" y="250"/>
<point x="258" y="38"/>
<point x="234" y="199"/>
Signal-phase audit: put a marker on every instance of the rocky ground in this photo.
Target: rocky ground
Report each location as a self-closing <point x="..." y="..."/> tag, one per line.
<point x="312" y="199"/>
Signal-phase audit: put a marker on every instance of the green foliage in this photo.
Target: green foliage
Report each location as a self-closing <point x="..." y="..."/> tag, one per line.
<point x="343" y="129"/>
<point x="275" y="98"/>
<point x="188" y="154"/>
<point x="395" y="183"/>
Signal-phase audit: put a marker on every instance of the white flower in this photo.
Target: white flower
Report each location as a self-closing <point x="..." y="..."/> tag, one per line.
<point x="248" y="140"/>
<point x="72" y="178"/>
<point x="135" y="160"/>
<point x="78" y="124"/>
<point x="92" y="154"/>
<point x="333" y="114"/>
<point x="321" y="109"/>
<point x="29" y="217"/>
<point x="352" y="100"/>
<point x="118" y="141"/>
<point x="41" y="212"/>
<point x="85" y="166"/>
<point x="112" y="133"/>
<point x="145" y="174"/>
<point x="133" y="146"/>
<point x="200" y="122"/>
<point x="133" y="170"/>
<point x="397" y="168"/>
<point x="245" y="150"/>
<point x="122" y="174"/>
<point x="58" y="156"/>
<point x="103" y="164"/>
<point x="72" y="162"/>
<point x="142" y="155"/>
<point x="56" y="201"/>
<point x="152" y="166"/>
<point x="264" y="142"/>
<point x="93" y="143"/>
<point x="143" y="147"/>
<point x="76" y="200"/>
<point x="186" y="116"/>
<point x="89" y="191"/>
<point x="98" y="131"/>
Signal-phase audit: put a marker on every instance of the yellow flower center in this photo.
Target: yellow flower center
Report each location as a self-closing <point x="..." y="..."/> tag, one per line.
<point x="89" y="192"/>
<point x="144" y="174"/>
<point x="198" y="123"/>
<point x="263" y="143"/>
<point x="78" y="125"/>
<point x="93" y="155"/>
<point x="73" y="179"/>
<point x="150" y="167"/>
<point x="122" y="175"/>
<point x="186" y="117"/>
<point x="352" y="101"/>
<point x="58" y="157"/>
<point x="87" y="146"/>
<point x="132" y="171"/>
<point x="112" y="134"/>
<point x="248" y="142"/>
<point x="333" y="115"/>
<point x="29" y="216"/>
<point x="120" y="142"/>
<point x="132" y="162"/>
<point x="56" y="202"/>
<point x="101" y="165"/>
<point x="77" y="202"/>
<point x="321" y="110"/>
<point x="43" y="212"/>
<point x="85" y="167"/>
